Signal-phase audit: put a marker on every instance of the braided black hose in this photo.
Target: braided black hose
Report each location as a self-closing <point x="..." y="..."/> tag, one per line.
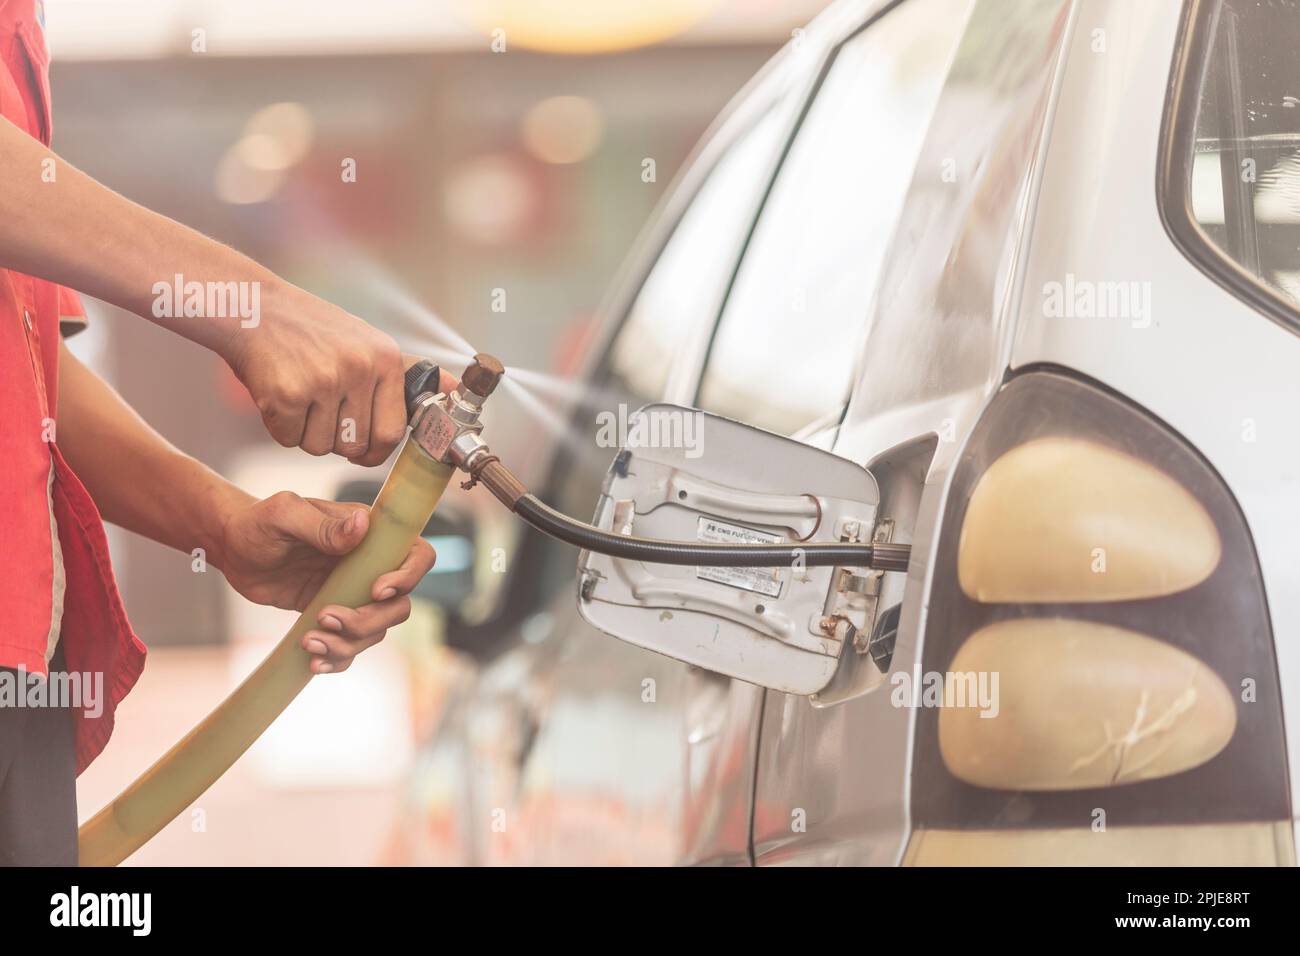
<point x="879" y="557"/>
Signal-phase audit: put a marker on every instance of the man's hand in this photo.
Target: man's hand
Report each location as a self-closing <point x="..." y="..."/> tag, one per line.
<point x="323" y="379"/>
<point x="279" y="551"/>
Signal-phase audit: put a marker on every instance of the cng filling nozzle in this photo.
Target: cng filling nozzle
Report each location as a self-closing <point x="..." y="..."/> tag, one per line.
<point x="445" y="436"/>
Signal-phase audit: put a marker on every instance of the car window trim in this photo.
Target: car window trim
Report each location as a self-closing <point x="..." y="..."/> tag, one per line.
<point x="748" y="107"/>
<point x="823" y="70"/>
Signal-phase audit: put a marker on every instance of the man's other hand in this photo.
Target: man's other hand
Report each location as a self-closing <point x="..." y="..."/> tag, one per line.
<point x="280" y="550"/>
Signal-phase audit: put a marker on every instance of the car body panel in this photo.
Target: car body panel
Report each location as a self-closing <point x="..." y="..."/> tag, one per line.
<point x="950" y="276"/>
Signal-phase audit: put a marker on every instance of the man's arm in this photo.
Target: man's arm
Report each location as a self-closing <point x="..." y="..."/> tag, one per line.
<point x="139" y="481"/>
<point x="310" y="366"/>
<point x="276" y="551"/>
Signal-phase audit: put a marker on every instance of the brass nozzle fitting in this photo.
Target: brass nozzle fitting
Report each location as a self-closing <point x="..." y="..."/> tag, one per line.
<point x="483" y="375"/>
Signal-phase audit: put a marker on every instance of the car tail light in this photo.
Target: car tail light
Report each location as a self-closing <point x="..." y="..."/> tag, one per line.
<point x="1097" y="574"/>
<point x="1063" y="519"/>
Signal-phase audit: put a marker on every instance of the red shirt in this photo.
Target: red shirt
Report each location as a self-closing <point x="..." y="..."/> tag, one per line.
<point x="34" y="478"/>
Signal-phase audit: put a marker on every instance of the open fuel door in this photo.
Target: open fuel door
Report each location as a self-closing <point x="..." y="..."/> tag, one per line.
<point x="688" y="475"/>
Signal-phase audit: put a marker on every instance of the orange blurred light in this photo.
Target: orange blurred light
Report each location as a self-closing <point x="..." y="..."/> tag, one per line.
<point x="275" y="138"/>
<point x="563" y="129"/>
<point x="491" y="198"/>
<point x="241" y="184"/>
<point x="278" y="136"/>
<point x="583" y="26"/>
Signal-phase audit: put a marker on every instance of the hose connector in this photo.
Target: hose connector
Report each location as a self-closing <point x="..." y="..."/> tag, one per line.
<point x="446" y="426"/>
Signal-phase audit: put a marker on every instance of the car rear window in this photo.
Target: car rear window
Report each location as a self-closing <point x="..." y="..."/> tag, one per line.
<point x="1232" y="153"/>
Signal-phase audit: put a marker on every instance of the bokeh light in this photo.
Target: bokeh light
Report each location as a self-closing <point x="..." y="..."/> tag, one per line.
<point x="274" y="139"/>
<point x="491" y="198"/>
<point x="563" y="129"/>
<point x="241" y="184"/>
<point x="283" y="134"/>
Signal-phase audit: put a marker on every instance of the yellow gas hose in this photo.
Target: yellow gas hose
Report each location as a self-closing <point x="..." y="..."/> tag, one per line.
<point x="399" y="514"/>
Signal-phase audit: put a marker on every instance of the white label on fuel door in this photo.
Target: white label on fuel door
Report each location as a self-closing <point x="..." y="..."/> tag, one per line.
<point x="760" y="580"/>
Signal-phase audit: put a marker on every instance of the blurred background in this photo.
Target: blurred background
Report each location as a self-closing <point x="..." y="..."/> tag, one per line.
<point x="486" y="161"/>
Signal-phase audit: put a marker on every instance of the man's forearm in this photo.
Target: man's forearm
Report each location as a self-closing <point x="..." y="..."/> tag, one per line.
<point x="322" y="379"/>
<point x="59" y="224"/>
<point x="138" y="480"/>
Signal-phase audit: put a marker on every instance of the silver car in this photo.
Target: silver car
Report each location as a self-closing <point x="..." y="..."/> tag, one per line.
<point x="1035" y="265"/>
